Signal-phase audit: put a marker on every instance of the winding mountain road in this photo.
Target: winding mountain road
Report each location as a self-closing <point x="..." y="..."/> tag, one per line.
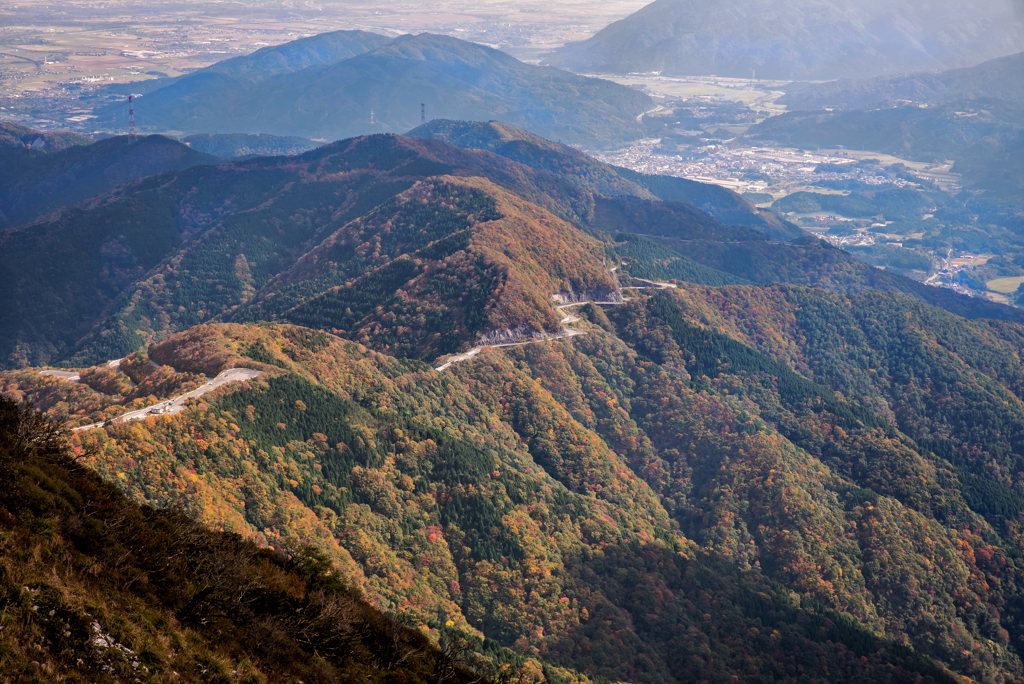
<point x="566" y="332"/>
<point x="560" y="335"/>
<point x="177" y="404"/>
<point x="651" y="285"/>
<point x="70" y="376"/>
<point x="640" y="117"/>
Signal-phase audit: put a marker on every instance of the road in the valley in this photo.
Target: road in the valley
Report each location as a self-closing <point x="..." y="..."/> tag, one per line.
<point x="651" y="284"/>
<point x="172" y="406"/>
<point x="640" y="117"/>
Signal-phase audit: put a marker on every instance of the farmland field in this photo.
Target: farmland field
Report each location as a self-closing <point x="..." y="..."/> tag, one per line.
<point x="1005" y="285"/>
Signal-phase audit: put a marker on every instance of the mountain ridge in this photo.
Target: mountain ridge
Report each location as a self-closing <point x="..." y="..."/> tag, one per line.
<point x="243" y="146"/>
<point x="163" y="254"/>
<point x="32" y="184"/>
<point x="579" y="168"/>
<point x="381" y="90"/>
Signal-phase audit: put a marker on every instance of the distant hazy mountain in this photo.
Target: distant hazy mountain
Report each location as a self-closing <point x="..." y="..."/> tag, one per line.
<point x="382" y="90"/>
<point x="972" y="115"/>
<point x="801" y="39"/>
<point x="999" y="79"/>
<point x="33" y="183"/>
<point x="326" y="48"/>
<point x="933" y="133"/>
<point x="237" y="145"/>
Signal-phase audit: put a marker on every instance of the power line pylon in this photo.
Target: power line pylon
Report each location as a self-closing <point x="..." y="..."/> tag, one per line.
<point x="131" y="120"/>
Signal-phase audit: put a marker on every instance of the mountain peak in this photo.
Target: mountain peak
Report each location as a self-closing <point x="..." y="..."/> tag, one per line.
<point x="441" y="48"/>
<point x="382" y="90"/>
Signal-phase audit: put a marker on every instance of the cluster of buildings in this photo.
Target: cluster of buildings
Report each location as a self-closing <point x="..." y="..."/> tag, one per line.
<point x="855" y="240"/>
<point x="745" y="168"/>
<point x="955" y="287"/>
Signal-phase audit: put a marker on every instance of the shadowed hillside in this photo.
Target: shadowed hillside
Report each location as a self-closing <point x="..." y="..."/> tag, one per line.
<point x="33" y="184"/>
<point x="153" y="594"/>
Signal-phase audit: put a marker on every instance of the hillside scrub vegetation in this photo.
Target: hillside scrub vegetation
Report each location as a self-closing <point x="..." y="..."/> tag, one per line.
<point x="552" y="496"/>
<point x="94" y="587"/>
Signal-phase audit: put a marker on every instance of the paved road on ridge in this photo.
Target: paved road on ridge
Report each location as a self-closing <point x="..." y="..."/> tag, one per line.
<point x="175" y="405"/>
<point x="70" y="376"/>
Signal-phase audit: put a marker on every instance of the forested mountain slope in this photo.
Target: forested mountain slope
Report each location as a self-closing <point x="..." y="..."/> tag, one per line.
<point x="382" y="89"/>
<point x="139" y="593"/>
<point x="545" y="497"/>
<point x="171" y="251"/>
<point x="436" y="268"/>
<point x="696" y="481"/>
<point x="703" y="482"/>
<point x="33" y="184"/>
<point x="310" y="238"/>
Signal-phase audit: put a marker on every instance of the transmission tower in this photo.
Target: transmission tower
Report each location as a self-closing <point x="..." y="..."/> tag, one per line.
<point x="423" y="113"/>
<point x="131" y="120"/>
